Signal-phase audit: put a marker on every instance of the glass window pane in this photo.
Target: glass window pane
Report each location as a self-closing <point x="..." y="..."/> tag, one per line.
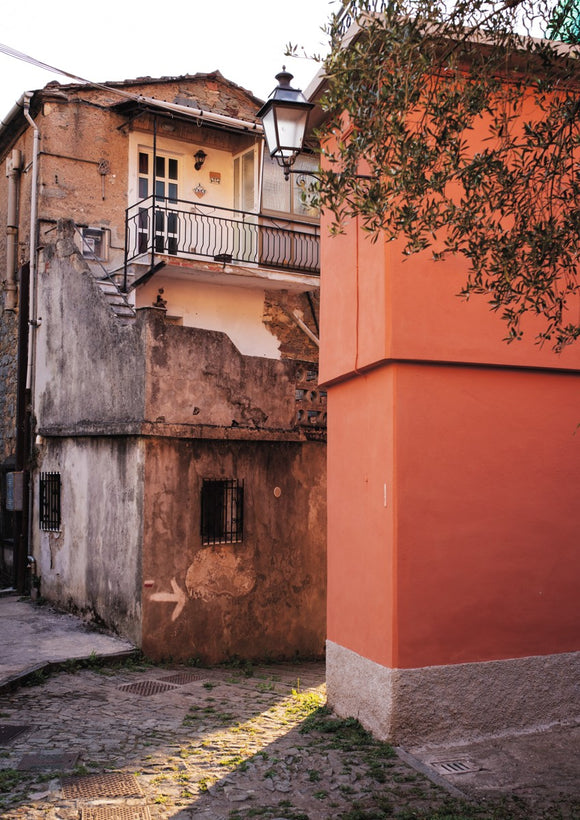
<point x="143" y="188"/>
<point x="143" y="163"/>
<point x="248" y="181"/>
<point x="172" y="169"/>
<point x="237" y="203"/>
<point x="159" y="189"/>
<point x="304" y="186"/>
<point x="275" y="189"/>
<point x="160" y="166"/>
<point x="159" y="221"/>
<point x="172" y="222"/>
<point x="172" y="191"/>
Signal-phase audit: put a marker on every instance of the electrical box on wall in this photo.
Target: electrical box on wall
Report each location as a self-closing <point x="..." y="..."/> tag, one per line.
<point x="95" y="243"/>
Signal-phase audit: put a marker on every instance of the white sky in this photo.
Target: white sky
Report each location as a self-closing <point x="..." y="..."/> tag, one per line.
<point x="124" y="39"/>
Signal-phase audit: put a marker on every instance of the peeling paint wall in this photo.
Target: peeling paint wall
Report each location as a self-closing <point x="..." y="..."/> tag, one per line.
<point x="199" y="377"/>
<point x="89" y="378"/>
<point x="93" y="565"/>
<point x="90" y="368"/>
<point x="134" y="417"/>
<point x="263" y="597"/>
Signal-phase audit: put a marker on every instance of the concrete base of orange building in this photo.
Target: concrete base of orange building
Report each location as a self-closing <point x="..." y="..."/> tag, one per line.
<point x="457" y="702"/>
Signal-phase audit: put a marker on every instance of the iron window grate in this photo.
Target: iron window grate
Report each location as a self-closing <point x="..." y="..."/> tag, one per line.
<point x="50" y="501"/>
<point x="222" y="511"/>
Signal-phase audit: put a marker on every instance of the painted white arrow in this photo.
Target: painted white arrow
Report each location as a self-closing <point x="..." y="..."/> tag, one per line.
<point x="178" y="596"/>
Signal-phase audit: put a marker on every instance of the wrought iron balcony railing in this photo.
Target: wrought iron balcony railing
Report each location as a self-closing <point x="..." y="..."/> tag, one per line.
<point x="191" y="230"/>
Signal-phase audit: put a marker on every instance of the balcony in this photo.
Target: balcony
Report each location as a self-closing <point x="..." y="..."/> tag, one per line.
<point x="190" y="230"/>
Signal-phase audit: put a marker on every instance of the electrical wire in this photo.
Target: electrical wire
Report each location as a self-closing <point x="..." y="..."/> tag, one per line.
<point x="220" y="119"/>
<point x="26" y="58"/>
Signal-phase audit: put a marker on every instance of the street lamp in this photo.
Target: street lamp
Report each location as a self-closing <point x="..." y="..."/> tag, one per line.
<point x="285" y="117"/>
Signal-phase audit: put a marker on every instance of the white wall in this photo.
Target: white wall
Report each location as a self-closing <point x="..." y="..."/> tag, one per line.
<point x="93" y="564"/>
<point x="235" y="311"/>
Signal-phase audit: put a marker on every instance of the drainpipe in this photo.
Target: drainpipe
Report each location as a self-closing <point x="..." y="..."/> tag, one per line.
<point x="33" y="245"/>
<point x="33" y="300"/>
<point x="13" y="169"/>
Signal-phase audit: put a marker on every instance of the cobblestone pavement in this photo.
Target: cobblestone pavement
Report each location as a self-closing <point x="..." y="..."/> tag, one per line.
<point x="151" y="742"/>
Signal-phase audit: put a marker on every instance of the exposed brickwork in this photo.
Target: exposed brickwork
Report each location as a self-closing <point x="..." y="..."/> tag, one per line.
<point x="279" y="308"/>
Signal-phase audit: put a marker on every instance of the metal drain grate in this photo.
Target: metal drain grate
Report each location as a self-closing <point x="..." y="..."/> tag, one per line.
<point x="116" y="813"/>
<point x="49" y="760"/>
<point x="462" y="766"/>
<point x="8" y="733"/>
<point x="147" y="687"/>
<point x="181" y="678"/>
<point x="112" y="784"/>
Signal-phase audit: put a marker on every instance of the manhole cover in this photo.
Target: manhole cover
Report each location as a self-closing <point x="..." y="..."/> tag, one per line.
<point x="54" y="760"/>
<point x="455" y="766"/>
<point x="112" y="784"/>
<point x="146" y="687"/>
<point x="116" y="813"/>
<point x="181" y="678"/>
<point x="8" y="733"/>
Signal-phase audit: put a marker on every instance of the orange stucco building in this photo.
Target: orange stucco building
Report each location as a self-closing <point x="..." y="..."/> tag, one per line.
<point x="453" y="512"/>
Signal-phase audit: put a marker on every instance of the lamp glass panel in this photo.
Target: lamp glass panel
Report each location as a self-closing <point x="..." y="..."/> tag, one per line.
<point x="291" y="127"/>
<point x="269" y="122"/>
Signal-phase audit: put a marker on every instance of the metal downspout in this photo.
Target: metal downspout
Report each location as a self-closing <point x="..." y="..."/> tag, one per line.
<point x="13" y="170"/>
<point x="33" y="247"/>
<point x="33" y="300"/>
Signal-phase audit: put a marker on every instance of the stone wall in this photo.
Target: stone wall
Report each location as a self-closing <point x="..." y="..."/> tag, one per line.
<point x="8" y="365"/>
<point x="279" y="310"/>
<point x="198" y="377"/>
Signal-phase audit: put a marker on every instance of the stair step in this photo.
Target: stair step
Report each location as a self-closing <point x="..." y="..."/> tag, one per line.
<point x="107" y="287"/>
<point x="124" y="310"/>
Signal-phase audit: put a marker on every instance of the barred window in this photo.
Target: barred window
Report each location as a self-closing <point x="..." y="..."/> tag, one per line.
<point x="50" y="502"/>
<point x="222" y="511"/>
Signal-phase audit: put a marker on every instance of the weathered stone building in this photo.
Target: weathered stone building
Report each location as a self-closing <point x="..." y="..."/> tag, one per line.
<point x="174" y="478"/>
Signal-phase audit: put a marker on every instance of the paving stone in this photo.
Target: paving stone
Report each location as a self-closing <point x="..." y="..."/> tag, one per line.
<point x="203" y="765"/>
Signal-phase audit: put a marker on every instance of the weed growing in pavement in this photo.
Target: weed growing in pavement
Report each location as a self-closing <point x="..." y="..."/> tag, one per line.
<point x="193" y="661"/>
<point x="382" y="808"/>
<point x="10" y="778"/>
<point x="36" y="678"/>
<point x="246" y="668"/>
<point x="205" y="782"/>
<point x="233" y="761"/>
<point x="284" y="809"/>
<point x="304" y="704"/>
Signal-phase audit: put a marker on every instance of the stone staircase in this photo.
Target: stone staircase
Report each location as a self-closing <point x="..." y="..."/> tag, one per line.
<point x="118" y="304"/>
